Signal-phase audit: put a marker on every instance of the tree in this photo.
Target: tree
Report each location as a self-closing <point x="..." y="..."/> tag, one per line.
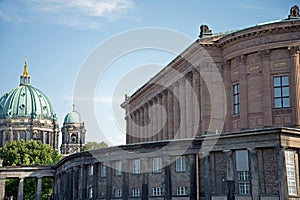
<point x="94" y="145"/>
<point x="29" y="153"/>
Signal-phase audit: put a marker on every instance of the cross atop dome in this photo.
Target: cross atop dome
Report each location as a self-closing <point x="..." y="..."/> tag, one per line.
<point x="25" y="77"/>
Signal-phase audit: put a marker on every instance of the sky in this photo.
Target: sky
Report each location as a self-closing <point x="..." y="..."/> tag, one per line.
<point x="61" y="38"/>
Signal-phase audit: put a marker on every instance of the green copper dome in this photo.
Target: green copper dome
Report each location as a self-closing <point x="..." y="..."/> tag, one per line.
<point x="26" y="101"/>
<point x="73" y="117"/>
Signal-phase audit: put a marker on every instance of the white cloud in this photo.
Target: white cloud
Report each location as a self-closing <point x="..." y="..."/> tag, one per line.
<point x="82" y="14"/>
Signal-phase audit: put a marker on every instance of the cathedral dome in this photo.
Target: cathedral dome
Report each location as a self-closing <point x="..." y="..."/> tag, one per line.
<point x="26" y="101"/>
<point x="73" y="117"/>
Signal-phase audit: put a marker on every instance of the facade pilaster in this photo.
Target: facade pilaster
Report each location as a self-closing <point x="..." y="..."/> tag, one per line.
<point x="176" y="110"/>
<point x="2" y="188"/>
<point x="125" y="185"/>
<point x="189" y="105"/>
<point x="38" y="190"/>
<point x="146" y="123"/>
<point x="230" y="175"/>
<point x="165" y="107"/>
<point x="182" y="104"/>
<point x="229" y="98"/>
<point x="168" y="178"/>
<point x="193" y="177"/>
<point x="266" y="88"/>
<point x="160" y="117"/>
<point x="282" y="180"/>
<point x="295" y="83"/>
<point x="243" y="94"/>
<point x="155" y="121"/>
<point x="145" y="178"/>
<point x="21" y="189"/>
<point x="170" y="117"/>
<point x="254" y="173"/>
<point x="207" y="178"/>
<point x="196" y="103"/>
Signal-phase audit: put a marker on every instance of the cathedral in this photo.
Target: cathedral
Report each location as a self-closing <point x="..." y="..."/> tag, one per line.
<point x="26" y="113"/>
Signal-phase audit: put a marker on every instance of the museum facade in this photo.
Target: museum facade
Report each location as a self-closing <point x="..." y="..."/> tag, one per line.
<point x="221" y="121"/>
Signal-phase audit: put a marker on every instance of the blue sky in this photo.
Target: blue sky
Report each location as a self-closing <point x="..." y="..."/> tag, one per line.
<point x="59" y="35"/>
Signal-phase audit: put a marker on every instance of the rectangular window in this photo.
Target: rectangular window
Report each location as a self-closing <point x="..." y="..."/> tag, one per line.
<point x="118" y="193"/>
<point x="181" y="164"/>
<point x="242" y="167"/>
<point x="281" y="92"/>
<point x="103" y="170"/>
<point x="136" y="192"/>
<point x="236" y="99"/>
<point x="290" y="171"/>
<point x="118" y="168"/>
<point x="156" y="165"/>
<point x="157" y="191"/>
<point x="91" y="170"/>
<point x="181" y="191"/>
<point x="136" y="166"/>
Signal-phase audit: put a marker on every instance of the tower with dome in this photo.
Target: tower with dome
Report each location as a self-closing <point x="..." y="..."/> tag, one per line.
<point x="26" y="113"/>
<point x="73" y="133"/>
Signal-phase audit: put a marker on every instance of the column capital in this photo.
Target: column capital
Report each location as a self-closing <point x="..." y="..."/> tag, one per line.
<point x="228" y="152"/>
<point x="294" y="50"/>
<point x="242" y="59"/>
<point x="252" y="150"/>
<point x="227" y="64"/>
<point x="264" y="53"/>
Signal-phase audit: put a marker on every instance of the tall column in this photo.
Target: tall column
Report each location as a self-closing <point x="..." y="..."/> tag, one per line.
<point x="193" y="177"/>
<point x="80" y="182"/>
<point x="282" y="180"/>
<point x="243" y="93"/>
<point x="2" y="188"/>
<point x="176" y="110"/>
<point x="138" y="126"/>
<point x="131" y="128"/>
<point x="142" y="132"/>
<point x="150" y="111"/>
<point x="38" y="194"/>
<point x="189" y="105"/>
<point x="170" y="117"/>
<point x="96" y="171"/>
<point x="165" y="106"/>
<point x="146" y="123"/>
<point x="196" y="103"/>
<point x="228" y="92"/>
<point x="266" y="86"/>
<point x="155" y="120"/>
<point x="230" y="175"/>
<point x="160" y="118"/>
<point x="21" y="189"/>
<point x="127" y="129"/>
<point x="182" y="104"/>
<point x="254" y="173"/>
<point x="109" y="182"/>
<point x="295" y="83"/>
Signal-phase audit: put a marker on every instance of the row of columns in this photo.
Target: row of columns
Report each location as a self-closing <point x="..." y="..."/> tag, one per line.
<point x="172" y="114"/>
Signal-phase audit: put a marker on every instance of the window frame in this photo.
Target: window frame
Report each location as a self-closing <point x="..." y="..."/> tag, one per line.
<point x="281" y="87"/>
<point x="136" y="192"/>
<point x="236" y="98"/>
<point x="290" y="165"/>
<point x="102" y="170"/>
<point x="91" y="170"/>
<point x="118" y="193"/>
<point x="157" y="165"/>
<point x="181" y="164"/>
<point x="181" y="191"/>
<point x="136" y="166"/>
<point x="118" y="168"/>
<point x="157" y="191"/>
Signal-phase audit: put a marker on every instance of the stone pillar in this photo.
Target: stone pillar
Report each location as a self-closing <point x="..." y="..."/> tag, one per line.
<point x="38" y="192"/>
<point x="138" y="126"/>
<point x="182" y="104"/>
<point x="170" y="114"/>
<point x="295" y="83"/>
<point x="176" y="110"/>
<point x="207" y="178"/>
<point x="189" y="105"/>
<point x="160" y="118"/>
<point x="155" y="120"/>
<point x="131" y="128"/>
<point x="196" y="103"/>
<point x="75" y="182"/>
<point x="254" y="173"/>
<point x="142" y="127"/>
<point x="168" y="178"/>
<point x="165" y="106"/>
<point x="266" y="86"/>
<point x="21" y="189"/>
<point x="125" y="185"/>
<point x="2" y="188"/>
<point x="146" y="123"/>
<point x="229" y="98"/>
<point x="282" y="180"/>
<point x="80" y="182"/>
<point x="127" y="129"/>
<point x="243" y="93"/>
<point x="96" y="171"/>
<point x="230" y="175"/>
<point x="193" y="178"/>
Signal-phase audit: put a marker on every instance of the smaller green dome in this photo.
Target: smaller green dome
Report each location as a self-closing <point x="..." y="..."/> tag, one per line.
<point x="73" y="117"/>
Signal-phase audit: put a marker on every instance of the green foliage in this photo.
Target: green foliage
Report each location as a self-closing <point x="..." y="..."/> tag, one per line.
<point x="29" y="153"/>
<point x="94" y="145"/>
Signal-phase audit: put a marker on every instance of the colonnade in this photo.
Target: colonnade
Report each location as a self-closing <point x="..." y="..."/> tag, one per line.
<point x="173" y="113"/>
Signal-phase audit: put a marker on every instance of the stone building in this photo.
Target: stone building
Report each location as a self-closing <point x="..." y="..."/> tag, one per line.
<point x="73" y="133"/>
<point x="27" y="113"/>
<point x="221" y="121"/>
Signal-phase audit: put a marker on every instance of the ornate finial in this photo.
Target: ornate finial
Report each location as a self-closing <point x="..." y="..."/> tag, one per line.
<point x="25" y="77"/>
<point x="25" y="72"/>
<point x="205" y="31"/>
<point x="294" y="12"/>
